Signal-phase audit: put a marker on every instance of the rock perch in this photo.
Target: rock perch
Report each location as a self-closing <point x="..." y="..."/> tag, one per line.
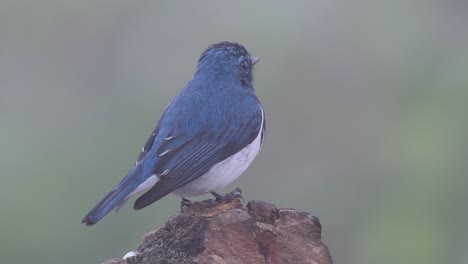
<point x="212" y="232"/>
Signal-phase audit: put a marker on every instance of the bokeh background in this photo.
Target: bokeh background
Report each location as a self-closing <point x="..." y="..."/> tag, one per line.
<point x="366" y="119"/>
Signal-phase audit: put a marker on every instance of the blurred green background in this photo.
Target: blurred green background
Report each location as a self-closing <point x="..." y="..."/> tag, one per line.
<point x="366" y="119"/>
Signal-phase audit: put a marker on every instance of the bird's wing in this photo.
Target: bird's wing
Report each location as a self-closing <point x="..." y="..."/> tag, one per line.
<point x="183" y="158"/>
<point x="145" y="149"/>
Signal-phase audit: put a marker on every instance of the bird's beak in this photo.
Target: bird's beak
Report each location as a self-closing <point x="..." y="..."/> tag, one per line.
<point x="254" y="60"/>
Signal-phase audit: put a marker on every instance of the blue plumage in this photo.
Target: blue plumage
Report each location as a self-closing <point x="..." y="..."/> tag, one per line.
<point x="207" y="136"/>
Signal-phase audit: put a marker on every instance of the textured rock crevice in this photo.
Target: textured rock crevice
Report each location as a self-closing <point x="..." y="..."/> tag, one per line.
<point x="225" y="232"/>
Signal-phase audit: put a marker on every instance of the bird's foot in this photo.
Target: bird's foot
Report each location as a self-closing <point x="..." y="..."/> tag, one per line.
<point x="185" y="203"/>
<point x="237" y="193"/>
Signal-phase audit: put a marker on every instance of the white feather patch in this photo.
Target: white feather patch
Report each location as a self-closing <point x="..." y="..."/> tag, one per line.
<point x="146" y="185"/>
<point x="130" y="254"/>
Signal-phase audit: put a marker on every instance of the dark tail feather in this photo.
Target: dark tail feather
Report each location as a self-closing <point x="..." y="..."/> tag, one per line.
<point x="114" y="199"/>
<point x="117" y="197"/>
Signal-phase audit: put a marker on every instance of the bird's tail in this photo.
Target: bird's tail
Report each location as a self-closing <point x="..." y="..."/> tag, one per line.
<point x="115" y="199"/>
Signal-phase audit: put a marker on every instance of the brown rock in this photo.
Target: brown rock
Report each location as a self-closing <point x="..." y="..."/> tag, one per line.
<point x="225" y="232"/>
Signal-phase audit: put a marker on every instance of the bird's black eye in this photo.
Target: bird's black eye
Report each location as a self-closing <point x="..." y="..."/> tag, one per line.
<point x="245" y="66"/>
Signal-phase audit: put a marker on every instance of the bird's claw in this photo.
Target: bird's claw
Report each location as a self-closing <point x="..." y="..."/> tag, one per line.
<point x="185" y="203"/>
<point x="236" y="193"/>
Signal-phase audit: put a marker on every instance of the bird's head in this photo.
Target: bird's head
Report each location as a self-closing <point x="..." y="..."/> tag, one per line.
<point x="229" y="61"/>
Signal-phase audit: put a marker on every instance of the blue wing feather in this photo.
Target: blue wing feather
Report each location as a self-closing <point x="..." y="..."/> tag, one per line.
<point x="192" y="155"/>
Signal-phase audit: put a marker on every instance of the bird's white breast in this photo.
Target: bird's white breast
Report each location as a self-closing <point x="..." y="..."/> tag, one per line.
<point x="225" y="172"/>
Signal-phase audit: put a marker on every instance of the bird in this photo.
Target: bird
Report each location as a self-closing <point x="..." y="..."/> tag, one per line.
<point x="208" y="135"/>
